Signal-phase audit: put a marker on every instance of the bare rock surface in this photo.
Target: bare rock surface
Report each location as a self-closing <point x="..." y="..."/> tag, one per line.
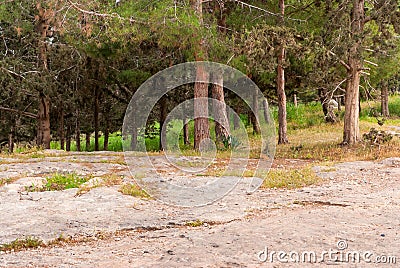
<point x="357" y="204"/>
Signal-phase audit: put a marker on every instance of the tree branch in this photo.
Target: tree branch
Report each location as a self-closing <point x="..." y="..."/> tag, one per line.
<point x="103" y="15"/>
<point x="27" y="114"/>
<point x="341" y="61"/>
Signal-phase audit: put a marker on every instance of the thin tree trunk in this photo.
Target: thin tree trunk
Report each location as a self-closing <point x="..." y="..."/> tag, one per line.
<point x="186" y="131"/>
<point x="222" y="130"/>
<point x="87" y="137"/>
<point x="280" y="81"/>
<point x="68" y="139"/>
<point x="351" y="133"/>
<point x="61" y="126"/>
<point x="134" y="139"/>
<point x="254" y="116"/>
<point x="385" y="99"/>
<point x="96" y="118"/>
<point x="267" y="116"/>
<point x="11" y="137"/>
<point x="295" y="100"/>
<point x="78" y="132"/>
<point x="106" y="134"/>
<point x="163" y="117"/>
<point x="236" y="118"/>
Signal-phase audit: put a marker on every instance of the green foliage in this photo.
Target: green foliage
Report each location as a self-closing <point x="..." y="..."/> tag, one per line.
<point x="59" y="182"/>
<point x="20" y="244"/>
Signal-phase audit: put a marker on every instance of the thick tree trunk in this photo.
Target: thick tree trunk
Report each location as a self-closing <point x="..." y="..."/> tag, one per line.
<point x="201" y="124"/>
<point x="96" y="118"/>
<point x="280" y="82"/>
<point x="134" y="139"/>
<point x="254" y="116"/>
<point x="222" y="130"/>
<point x="87" y="138"/>
<point x="43" y="121"/>
<point x="351" y="133"/>
<point x="385" y="99"/>
<point x="43" y="131"/>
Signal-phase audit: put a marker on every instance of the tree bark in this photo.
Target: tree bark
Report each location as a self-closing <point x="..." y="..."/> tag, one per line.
<point x="68" y="139"/>
<point x="254" y="115"/>
<point x="61" y="126"/>
<point x="96" y="118"/>
<point x="267" y="116"/>
<point x="222" y="130"/>
<point x="106" y="133"/>
<point x="163" y="117"/>
<point x="385" y="99"/>
<point x="351" y="133"/>
<point x="43" y="131"/>
<point x="11" y="137"/>
<point x="280" y="82"/>
<point x="236" y="118"/>
<point x="77" y="133"/>
<point x="186" y="131"/>
<point x="201" y="124"/>
<point x="43" y="128"/>
<point x="87" y="145"/>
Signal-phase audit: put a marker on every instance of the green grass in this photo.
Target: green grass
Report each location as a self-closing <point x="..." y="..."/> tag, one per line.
<point x="133" y="190"/>
<point x="58" y="182"/>
<point x="20" y="244"/>
<point x="291" y="178"/>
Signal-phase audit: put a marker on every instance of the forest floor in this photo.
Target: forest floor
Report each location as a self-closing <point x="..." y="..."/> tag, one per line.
<point x="353" y="211"/>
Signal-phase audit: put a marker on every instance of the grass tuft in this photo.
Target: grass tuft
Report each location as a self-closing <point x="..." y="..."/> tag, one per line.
<point x="133" y="190"/>
<point x="290" y="179"/>
<point x="20" y="244"/>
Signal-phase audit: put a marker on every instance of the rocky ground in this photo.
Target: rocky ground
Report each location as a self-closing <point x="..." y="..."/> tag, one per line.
<point x="354" y="210"/>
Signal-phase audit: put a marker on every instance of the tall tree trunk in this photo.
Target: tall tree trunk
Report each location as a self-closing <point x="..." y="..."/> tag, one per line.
<point x="106" y="133"/>
<point x="163" y="117"/>
<point x="186" y="131"/>
<point x="61" y="125"/>
<point x="11" y="137"/>
<point x="43" y="131"/>
<point x="351" y="133"/>
<point x="44" y="19"/>
<point x="87" y="138"/>
<point x="96" y="118"/>
<point x="385" y="99"/>
<point x="222" y="130"/>
<point x="201" y="125"/>
<point x="236" y="118"/>
<point x="280" y="82"/>
<point x="68" y="138"/>
<point x="78" y="132"/>
<point x="254" y="116"/>
<point x="267" y="116"/>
